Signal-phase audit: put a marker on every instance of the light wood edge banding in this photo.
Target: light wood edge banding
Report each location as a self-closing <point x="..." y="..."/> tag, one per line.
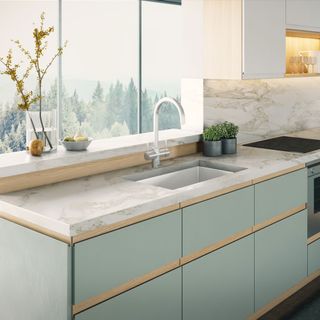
<point x="89" y="303"/>
<point x="34" y="227"/>
<point x="218" y="245"/>
<point x="115" y="226"/>
<point x="279" y="173"/>
<point x="74" y="171"/>
<point x="257" y="315"/>
<point x="279" y="217"/>
<point x="105" y="229"/>
<point x="215" y="194"/>
<point x="302" y="34"/>
<point x="314" y="238"/>
<point x="241" y="185"/>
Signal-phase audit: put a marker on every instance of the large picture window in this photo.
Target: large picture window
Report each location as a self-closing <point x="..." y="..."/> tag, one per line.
<point x="121" y="57"/>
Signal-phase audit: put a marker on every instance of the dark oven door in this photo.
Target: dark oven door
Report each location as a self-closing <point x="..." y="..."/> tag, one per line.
<point x="313" y="205"/>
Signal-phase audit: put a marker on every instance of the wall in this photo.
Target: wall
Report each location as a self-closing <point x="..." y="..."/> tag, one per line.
<point x="263" y="107"/>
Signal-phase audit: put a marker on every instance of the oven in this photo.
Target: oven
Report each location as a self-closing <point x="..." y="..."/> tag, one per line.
<point x="313" y="199"/>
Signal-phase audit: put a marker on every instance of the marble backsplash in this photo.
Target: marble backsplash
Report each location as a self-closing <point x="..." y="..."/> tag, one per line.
<point x="263" y="108"/>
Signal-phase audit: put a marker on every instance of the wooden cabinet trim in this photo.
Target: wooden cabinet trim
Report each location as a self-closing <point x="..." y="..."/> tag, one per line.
<point x="241" y="185"/>
<point x="125" y="223"/>
<point x="257" y="315"/>
<point x="142" y="217"/>
<point x="279" y="173"/>
<point x="91" y="302"/>
<point x="36" y="228"/>
<point x="279" y="217"/>
<point x="314" y="238"/>
<point x="215" y="194"/>
<point x="214" y="247"/>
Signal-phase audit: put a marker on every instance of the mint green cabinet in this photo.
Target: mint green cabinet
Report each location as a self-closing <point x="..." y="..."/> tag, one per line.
<point x="35" y="277"/>
<point x="280" y="257"/>
<point x="220" y="285"/>
<point x="159" y="299"/>
<point x="313" y="257"/>
<point x="213" y="220"/>
<point x="112" y="259"/>
<point x="277" y="195"/>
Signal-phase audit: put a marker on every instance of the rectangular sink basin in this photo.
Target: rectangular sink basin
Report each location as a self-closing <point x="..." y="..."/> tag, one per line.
<point x="179" y="176"/>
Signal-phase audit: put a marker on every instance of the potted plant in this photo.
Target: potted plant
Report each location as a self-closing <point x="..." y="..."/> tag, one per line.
<point x="212" y="145"/>
<point x="19" y="73"/>
<point x="229" y="137"/>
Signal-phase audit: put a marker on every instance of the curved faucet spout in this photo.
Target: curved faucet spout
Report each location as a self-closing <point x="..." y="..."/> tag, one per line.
<point x="156" y="117"/>
<point x="156" y="152"/>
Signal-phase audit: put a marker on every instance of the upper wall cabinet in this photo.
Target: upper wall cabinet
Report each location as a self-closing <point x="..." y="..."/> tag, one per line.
<point x="234" y="39"/>
<point x="303" y="15"/>
<point x="263" y="39"/>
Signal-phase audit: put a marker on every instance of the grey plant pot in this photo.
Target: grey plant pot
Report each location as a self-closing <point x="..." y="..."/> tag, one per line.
<point x="212" y="148"/>
<point x="229" y="146"/>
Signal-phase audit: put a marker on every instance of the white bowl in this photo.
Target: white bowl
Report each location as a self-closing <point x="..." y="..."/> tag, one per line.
<point x="76" y="145"/>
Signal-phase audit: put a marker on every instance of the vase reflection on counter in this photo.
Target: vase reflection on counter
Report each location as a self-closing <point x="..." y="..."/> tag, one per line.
<point x="49" y="136"/>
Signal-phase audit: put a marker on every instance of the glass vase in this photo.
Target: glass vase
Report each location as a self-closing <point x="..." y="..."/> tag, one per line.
<point x="50" y="133"/>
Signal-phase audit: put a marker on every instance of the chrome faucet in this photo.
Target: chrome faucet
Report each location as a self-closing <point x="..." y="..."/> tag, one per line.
<point x="155" y="153"/>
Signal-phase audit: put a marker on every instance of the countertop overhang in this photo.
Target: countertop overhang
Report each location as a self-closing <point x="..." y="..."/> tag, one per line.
<point x="80" y="207"/>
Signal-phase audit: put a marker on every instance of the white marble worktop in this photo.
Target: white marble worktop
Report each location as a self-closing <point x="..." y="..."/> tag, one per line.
<point x="73" y="207"/>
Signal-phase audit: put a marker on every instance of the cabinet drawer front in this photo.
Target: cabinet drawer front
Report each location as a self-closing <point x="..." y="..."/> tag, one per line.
<point x="280" y="258"/>
<point x="220" y="285"/>
<point x="107" y="261"/>
<point x="158" y="299"/>
<point x="313" y="257"/>
<point x="210" y="221"/>
<point x="280" y="194"/>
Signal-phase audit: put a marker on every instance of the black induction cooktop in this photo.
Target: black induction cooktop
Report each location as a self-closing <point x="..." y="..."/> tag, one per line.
<point x="290" y="144"/>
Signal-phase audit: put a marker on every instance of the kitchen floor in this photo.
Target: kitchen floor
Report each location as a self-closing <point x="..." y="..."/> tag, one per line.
<point x="304" y="305"/>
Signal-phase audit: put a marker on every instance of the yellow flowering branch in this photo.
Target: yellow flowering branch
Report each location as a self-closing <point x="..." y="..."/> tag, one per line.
<point x="40" y="35"/>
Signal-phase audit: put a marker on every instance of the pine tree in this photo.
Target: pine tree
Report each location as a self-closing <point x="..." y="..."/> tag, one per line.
<point x="147" y="112"/>
<point x="131" y="107"/>
<point x="97" y="109"/>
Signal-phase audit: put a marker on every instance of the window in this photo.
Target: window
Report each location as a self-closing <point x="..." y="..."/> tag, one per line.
<point x="161" y="55"/>
<point x="122" y="56"/>
<point x="100" y="67"/>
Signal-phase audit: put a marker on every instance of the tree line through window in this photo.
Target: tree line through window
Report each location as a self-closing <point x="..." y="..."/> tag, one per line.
<point x="103" y="107"/>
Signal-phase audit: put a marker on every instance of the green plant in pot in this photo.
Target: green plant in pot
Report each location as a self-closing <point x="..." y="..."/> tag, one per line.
<point x="229" y="137"/>
<point x="212" y="145"/>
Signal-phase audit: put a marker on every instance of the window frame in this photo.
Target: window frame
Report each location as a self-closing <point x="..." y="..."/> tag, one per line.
<point x="140" y="62"/>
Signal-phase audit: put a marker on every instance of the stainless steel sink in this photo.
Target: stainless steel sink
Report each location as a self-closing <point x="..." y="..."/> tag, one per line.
<point x="179" y="176"/>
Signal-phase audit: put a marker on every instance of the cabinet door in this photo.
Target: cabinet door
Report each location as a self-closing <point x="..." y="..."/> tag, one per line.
<point x="35" y="277"/>
<point x="213" y="220"/>
<point x="280" y="258"/>
<point x="314" y="257"/>
<point x="263" y="39"/>
<point x="280" y="194"/>
<point x="159" y="299"/>
<point x="220" y="285"/>
<point x="107" y="261"/>
<point x="303" y="13"/>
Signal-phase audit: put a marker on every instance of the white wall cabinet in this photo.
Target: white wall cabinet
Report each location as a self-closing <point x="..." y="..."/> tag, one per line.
<point x="264" y="47"/>
<point x="303" y="15"/>
<point x="240" y="39"/>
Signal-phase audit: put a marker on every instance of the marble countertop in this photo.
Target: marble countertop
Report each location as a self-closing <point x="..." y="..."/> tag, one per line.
<point x="85" y="204"/>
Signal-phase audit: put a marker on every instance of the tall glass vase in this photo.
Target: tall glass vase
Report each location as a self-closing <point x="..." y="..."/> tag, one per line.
<point x="49" y="119"/>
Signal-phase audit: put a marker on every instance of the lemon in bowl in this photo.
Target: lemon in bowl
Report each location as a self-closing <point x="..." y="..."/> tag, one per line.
<point x="76" y="143"/>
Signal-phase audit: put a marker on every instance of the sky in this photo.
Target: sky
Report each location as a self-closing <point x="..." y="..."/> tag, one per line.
<point x="102" y="40"/>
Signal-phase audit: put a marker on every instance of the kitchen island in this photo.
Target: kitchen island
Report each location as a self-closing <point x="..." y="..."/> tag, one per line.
<point x="105" y="246"/>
